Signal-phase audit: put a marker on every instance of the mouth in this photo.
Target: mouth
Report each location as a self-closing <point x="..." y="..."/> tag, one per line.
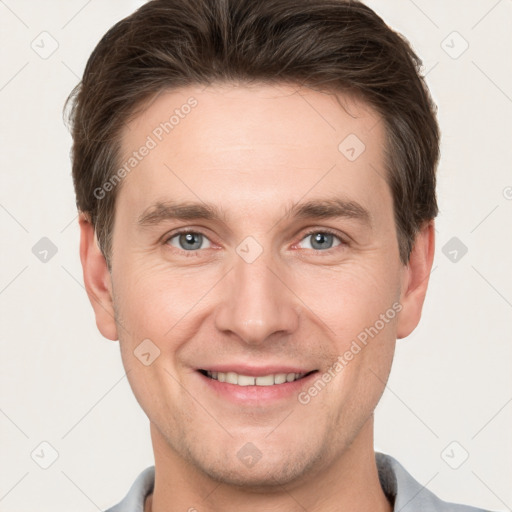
<point x="272" y="379"/>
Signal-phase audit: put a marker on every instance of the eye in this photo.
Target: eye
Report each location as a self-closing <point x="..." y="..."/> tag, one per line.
<point x="188" y="240"/>
<point x="192" y="241"/>
<point x="322" y="240"/>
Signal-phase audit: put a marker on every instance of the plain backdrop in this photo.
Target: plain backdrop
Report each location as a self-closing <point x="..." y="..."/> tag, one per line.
<point x="446" y="414"/>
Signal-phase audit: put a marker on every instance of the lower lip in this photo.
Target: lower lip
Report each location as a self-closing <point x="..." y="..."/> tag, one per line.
<point x="254" y="395"/>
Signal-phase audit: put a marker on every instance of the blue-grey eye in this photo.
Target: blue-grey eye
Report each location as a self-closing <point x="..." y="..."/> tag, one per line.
<point x="321" y="240"/>
<point x="188" y="241"/>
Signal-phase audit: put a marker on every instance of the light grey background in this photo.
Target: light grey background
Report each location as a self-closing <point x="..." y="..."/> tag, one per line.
<point x="450" y="390"/>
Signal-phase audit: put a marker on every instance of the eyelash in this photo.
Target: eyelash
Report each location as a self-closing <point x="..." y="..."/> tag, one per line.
<point x="328" y="231"/>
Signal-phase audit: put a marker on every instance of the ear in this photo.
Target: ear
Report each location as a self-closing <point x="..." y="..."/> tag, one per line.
<point x="97" y="279"/>
<point x="415" y="280"/>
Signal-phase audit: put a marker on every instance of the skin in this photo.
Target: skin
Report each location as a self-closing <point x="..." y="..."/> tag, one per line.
<point x="253" y="150"/>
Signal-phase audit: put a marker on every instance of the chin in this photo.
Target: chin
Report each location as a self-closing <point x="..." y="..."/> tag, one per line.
<point x="269" y="473"/>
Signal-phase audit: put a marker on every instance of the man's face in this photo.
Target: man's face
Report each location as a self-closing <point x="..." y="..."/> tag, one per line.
<point x="257" y="288"/>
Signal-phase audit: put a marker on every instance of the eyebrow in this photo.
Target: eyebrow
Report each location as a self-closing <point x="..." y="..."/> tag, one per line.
<point x="314" y="209"/>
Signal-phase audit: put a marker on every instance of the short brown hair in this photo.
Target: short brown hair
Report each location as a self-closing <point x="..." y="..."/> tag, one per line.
<point x="334" y="45"/>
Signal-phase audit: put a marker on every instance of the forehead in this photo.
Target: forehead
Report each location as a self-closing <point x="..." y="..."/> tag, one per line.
<point x="256" y="146"/>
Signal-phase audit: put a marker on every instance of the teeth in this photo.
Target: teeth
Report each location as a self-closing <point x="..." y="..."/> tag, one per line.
<point x="247" y="380"/>
<point x="280" y="378"/>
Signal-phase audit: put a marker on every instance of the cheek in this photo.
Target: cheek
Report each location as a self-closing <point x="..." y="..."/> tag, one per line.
<point x="152" y="299"/>
<point x="350" y="297"/>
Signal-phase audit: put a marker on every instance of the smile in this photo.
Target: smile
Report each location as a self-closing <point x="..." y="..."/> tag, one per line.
<point x="247" y="380"/>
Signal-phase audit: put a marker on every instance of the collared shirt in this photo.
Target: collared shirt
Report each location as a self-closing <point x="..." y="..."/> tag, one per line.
<point x="402" y="490"/>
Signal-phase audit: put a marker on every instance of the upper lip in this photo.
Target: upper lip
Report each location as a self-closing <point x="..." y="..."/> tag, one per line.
<point x="255" y="371"/>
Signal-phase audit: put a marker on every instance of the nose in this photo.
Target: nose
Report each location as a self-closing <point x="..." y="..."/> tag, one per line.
<point x="257" y="302"/>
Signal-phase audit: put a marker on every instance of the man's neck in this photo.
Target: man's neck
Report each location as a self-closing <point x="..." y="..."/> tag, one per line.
<point x="351" y="483"/>
<point x="148" y="503"/>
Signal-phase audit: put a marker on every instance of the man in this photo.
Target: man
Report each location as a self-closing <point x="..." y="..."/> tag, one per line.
<point x="218" y="145"/>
